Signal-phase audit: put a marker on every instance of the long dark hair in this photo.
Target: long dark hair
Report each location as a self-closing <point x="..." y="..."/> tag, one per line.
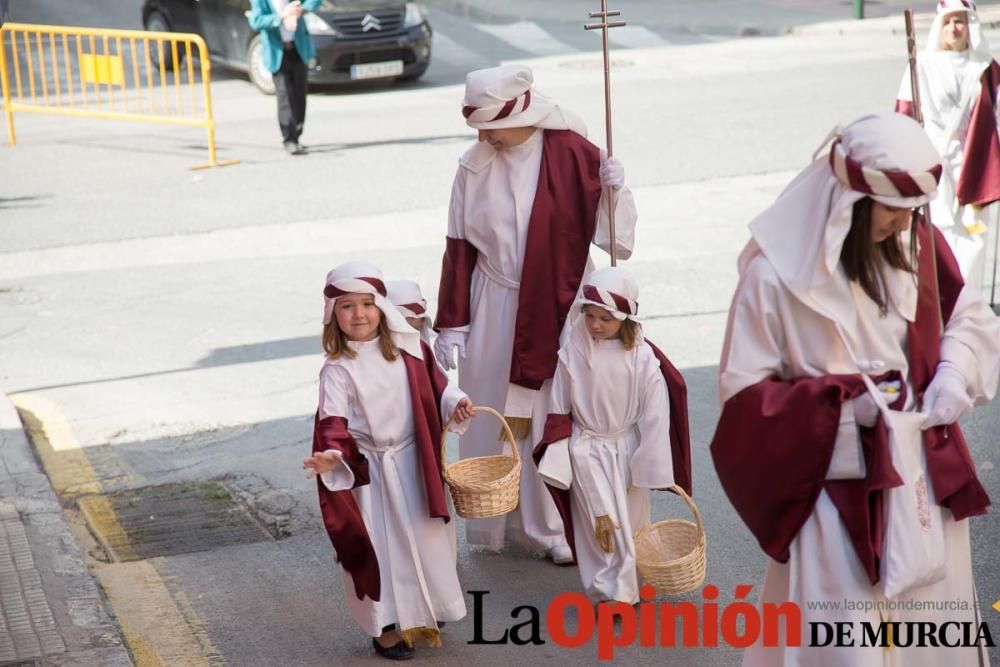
<point x="863" y="260"/>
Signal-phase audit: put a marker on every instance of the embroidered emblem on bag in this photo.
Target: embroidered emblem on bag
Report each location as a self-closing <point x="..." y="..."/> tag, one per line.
<point x="923" y="504"/>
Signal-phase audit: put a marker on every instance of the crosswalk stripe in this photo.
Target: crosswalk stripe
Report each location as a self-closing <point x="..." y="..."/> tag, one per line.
<point x="635" y="37"/>
<point x="528" y="36"/>
<point x="450" y="51"/>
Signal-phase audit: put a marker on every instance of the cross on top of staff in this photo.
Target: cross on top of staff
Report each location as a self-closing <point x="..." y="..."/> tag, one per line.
<point x="604" y="14"/>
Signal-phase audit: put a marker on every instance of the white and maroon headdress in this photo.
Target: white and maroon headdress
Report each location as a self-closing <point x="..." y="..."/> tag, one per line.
<point x="614" y="289"/>
<point x="886" y="156"/>
<point x="358" y="277"/>
<point x="406" y="296"/>
<point x="503" y="97"/>
<point x="978" y="46"/>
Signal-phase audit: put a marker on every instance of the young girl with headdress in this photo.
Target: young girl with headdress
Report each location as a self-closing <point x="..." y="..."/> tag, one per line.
<point x="382" y="401"/>
<point x="617" y="427"/>
<point x="857" y="492"/>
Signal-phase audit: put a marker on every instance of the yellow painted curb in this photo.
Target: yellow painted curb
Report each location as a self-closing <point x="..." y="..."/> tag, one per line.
<point x="161" y="630"/>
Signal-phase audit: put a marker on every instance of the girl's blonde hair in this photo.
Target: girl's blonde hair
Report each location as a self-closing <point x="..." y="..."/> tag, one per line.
<point x="335" y="342"/>
<point x="629" y="334"/>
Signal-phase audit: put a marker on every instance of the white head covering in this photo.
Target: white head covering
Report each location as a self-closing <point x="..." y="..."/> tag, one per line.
<point x="803" y="231"/>
<point x="359" y="277"/>
<point x="979" y="47"/>
<point x="503" y="97"/>
<point x="406" y="296"/>
<point x="614" y="289"/>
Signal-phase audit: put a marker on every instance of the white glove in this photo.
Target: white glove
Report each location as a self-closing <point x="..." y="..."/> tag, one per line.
<point x="444" y="346"/>
<point x="866" y="410"/>
<point x="612" y="172"/>
<point x="946" y="399"/>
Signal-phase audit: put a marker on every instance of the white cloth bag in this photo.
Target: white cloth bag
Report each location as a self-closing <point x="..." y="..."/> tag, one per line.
<point x="913" y="547"/>
<point x="913" y="550"/>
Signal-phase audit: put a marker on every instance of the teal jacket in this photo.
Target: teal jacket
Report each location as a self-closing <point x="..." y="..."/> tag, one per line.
<point x="264" y="20"/>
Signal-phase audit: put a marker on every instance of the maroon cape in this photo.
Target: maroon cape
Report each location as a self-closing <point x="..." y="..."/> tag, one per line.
<point x="560" y="231"/>
<point x="979" y="182"/>
<point x="341" y="515"/>
<point x="775" y="439"/>
<point x="559" y="427"/>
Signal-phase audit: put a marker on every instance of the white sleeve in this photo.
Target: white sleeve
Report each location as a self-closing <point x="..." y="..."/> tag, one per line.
<point x="625" y="219"/>
<point x="971" y="343"/>
<point x="555" y="467"/>
<point x="752" y="350"/>
<point x="651" y="465"/>
<point x="449" y="400"/>
<point x="335" y="398"/>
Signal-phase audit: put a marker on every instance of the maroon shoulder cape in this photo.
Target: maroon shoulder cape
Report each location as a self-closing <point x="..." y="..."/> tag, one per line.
<point x="341" y="516"/>
<point x="560" y="231"/>
<point x="775" y="439"/>
<point x="560" y="426"/>
<point x="979" y="182"/>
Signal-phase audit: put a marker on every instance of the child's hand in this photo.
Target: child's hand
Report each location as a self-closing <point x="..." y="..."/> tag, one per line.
<point x="320" y="463"/>
<point x="463" y="411"/>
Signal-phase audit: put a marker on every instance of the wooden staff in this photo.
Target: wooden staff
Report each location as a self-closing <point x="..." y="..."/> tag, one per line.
<point x="603" y="26"/>
<point x="918" y="115"/>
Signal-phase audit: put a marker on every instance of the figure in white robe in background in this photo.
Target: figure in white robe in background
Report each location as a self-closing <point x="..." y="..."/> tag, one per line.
<point x="507" y="285"/>
<point x="802" y="448"/>
<point x="959" y="92"/>
<point x="376" y="451"/>
<point x="610" y="394"/>
<point x="410" y="301"/>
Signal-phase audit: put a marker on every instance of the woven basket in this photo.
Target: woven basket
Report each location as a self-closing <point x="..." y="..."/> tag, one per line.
<point x="484" y="486"/>
<point x="670" y="554"/>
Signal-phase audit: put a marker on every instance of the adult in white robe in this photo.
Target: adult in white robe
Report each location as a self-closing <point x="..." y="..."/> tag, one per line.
<point x="370" y="401"/>
<point x="492" y="202"/>
<point x="959" y="91"/>
<point x="619" y="448"/>
<point x="796" y="319"/>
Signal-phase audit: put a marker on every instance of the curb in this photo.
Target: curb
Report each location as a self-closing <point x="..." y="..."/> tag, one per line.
<point x="51" y="608"/>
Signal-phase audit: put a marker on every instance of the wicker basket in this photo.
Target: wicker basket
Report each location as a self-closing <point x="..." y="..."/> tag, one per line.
<point x="670" y="554"/>
<point x="484" y="486"/>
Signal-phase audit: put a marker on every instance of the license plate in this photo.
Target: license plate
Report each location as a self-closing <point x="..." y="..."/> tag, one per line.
<point x="377" y="70"/>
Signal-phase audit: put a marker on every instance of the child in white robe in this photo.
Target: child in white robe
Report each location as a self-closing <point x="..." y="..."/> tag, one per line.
<point x="609" y="383"/>
<point x="382" y="403"/>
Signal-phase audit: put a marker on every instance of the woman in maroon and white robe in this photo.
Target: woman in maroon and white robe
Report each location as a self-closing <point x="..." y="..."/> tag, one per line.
<point x="527" y="202"/>
<point x="382" y="401"/>
<point x="959" y="94"/>
<point x="802" y="448"/>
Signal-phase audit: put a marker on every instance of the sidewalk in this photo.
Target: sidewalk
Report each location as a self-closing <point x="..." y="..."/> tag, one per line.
<point x="51" y="612"/>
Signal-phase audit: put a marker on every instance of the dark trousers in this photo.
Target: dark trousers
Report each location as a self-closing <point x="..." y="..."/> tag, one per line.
<point x="290" y="89"/>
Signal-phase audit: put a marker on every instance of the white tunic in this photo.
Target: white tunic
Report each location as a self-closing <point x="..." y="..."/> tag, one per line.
<point x="619" y="450"/>
<point x="491" y="208"/>
<point x="771" y="332"/>
<point x="950" y="85"/>
<point x="416" y="553"/>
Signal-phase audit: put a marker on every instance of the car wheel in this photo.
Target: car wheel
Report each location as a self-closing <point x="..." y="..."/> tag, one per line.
<point x="157" y="22"/>
<point x="260" y="76"/>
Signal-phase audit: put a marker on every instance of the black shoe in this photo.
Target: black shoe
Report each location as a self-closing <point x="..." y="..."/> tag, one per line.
<point x="398" y="651"/>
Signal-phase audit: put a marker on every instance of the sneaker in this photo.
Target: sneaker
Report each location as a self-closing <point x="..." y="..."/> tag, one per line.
<point x="561" y="555"/>
<point x="294" y="148"/>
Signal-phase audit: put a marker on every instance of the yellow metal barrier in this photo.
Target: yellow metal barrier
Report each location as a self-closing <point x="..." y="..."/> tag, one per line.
<point x="116" y="74"/>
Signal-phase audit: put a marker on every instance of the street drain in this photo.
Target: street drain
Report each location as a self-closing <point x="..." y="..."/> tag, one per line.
<point x="168" y="520"/>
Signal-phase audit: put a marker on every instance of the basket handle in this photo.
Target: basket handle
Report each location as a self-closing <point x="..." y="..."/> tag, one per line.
<point x="476" y="409"/>
<point x="694" y="510"/>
